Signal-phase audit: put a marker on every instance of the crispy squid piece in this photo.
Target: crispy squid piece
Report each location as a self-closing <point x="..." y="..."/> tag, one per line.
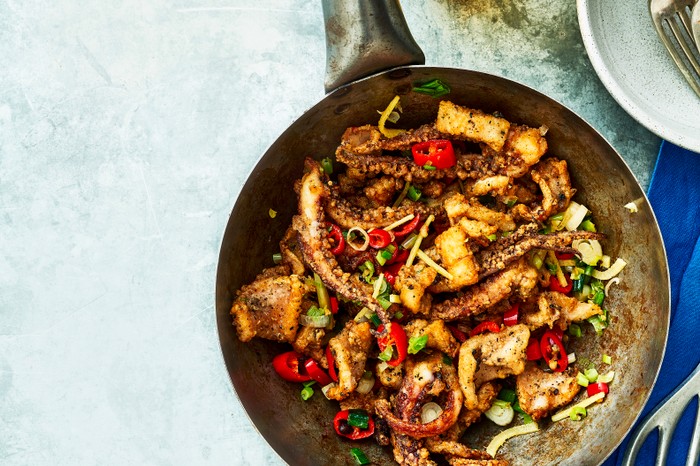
<point x="291" y="255"/>
<point x="409" y="451"/>
<point x="309" y="342"/>
<point x="507" y="250"/>
<point x="526" y="145"/>
<point x="315" y="247"/>
<point x="540" y="392"/>
<point x="361" y="139"/>
<point x="411" y="283"/>
<point x="389" y="376"/>
<point x="567" y="309"/>
<point x="269" y="308"/>
<point x="381" y="191"/>
<point x="518" y="279"/>
<point x="347" y="215"/>
<point x="457" y="258"/>
<point x="491" y="356"/>
<point x="454" y="449"/>
<point x="349" y="349"/>
<point x="439" y="336"/>
<point x="473" y="125"/>
<point x="494" y="185"/>
<point x="427" y="377"/>
<point x="368" y="140"/>
<point x="478" y="231"/>
<point x="552" y="176"/>
<point x="457" y="206"/>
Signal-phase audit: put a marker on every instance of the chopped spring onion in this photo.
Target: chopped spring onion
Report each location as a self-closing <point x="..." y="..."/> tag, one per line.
<point x="382" y="366"/>
<point x="307" y="392"/>
<point x="272" y="213"/>
<point x="607" y="378"/>
<point x="364" y="234"/>
<point x="560" y="274"/>
<point x="537" y="259"/>
<point x="607" y="359"/>
<point x="385" y="303"/>
<point x="363" y="315"/>
<point x="366" y="383"/>
<point x="277" y="257"/>
<point x="501" y="438"/>
<point x="447" y="360"/>
<point x="400" y="222"/>
<point x="613" y="281"/>
<point x="590" y="250"/>
<point x="632" y="207"/>
<point x="511" y="202"/>
<point x="398" y="315"/>
<point x="582" y="379"/>
<point x="428" y="166"/>
<point x="386" y="354"/>
<point x="584" y="404"/>
<point x="492" y="237"/>
<point x="571" y="358"/>
<point x="402" y="195"/>
<point x="324" y="300"/>
<point x="587" y="225"/>
<point x="577" y="413"/>
<point x="395" y="299"/>
<point x="500" y="412"/>
<point x="359" y="456"/>
<point x="507" y="395"/>
<point x="612" y="271"/>
<point x="367" y="271"/>
<point x="358" y="418"/>
<point x="414" y="193"/>
<point x="433" y="88"/>
<point x="385" y="254"/>
<point x="573" y="216"/>
<point x="390" y="133"/>
<point x="575" y="330"/>
<point x="598" y="324"/>
<point x="325" y="389"/>
<point x="591" y="374"/>
<point x="375" y="319"/>
<point x="327" y="165"/>
<point x="598" y="298"/>
<point x="315" y="321"/>
<point x="415" y="344"/>
<point x="378" y="284"/>
<point x="429" y="412"/>
<point x="434" y="265"/>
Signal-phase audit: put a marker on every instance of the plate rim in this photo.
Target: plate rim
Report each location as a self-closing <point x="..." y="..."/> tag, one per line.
<point x="621" y="96"/>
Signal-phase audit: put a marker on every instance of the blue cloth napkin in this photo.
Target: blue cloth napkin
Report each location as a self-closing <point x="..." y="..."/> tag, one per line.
<point x="674" y="193"/>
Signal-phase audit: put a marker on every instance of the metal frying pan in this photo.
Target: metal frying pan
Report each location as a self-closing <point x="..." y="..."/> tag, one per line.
<point x="301" y="432"/>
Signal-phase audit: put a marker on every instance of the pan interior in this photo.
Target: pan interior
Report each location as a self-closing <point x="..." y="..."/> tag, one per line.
<point x="301" y="432"/>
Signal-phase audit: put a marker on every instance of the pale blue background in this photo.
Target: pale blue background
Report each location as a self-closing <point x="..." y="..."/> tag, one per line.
<point x="126" y="130"/>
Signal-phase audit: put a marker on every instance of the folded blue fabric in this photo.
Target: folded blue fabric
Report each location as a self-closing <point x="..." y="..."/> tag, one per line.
<point x="674" y="193"/>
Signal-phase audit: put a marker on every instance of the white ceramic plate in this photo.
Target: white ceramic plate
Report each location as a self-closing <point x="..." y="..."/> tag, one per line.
<point x="637" y="70"/>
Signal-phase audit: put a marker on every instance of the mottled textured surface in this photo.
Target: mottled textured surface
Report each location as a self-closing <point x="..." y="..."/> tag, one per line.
<point x="126" y="131"/>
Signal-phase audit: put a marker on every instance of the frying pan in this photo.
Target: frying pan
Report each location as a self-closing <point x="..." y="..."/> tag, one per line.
<point x="384" y="50"/>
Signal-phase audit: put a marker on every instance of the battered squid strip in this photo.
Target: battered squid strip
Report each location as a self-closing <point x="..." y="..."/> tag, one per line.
<point x="347" y="216"/>
<point x="315" y="248"/>
<point x="499" y="256"/>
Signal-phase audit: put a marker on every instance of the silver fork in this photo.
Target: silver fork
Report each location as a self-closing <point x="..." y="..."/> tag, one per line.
<point x="673" y="24"/>
<point x="665" y="417"/>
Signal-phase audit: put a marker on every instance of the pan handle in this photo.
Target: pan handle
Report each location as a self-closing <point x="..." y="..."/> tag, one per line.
<point x="365" y="37"/>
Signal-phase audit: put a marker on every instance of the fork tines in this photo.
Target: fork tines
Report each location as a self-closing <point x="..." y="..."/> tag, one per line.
<point x="673" y="24"/>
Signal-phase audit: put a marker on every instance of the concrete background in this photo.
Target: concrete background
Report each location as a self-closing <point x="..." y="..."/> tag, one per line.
<point x="126" y="131"/>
